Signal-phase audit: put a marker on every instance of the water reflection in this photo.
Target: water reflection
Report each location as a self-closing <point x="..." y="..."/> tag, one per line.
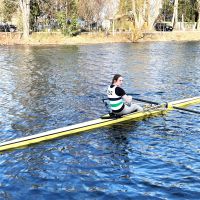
<point x="118" y="136"/>
<point x="43" y="88"/>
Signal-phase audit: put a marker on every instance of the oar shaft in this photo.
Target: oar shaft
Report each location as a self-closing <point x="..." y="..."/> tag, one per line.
<point x="156" y="103"/>
<point x="186" y="109"/>
<point x="175" y="107"/>
<point x="145" y="101"/>
<point x="142" y="100"/>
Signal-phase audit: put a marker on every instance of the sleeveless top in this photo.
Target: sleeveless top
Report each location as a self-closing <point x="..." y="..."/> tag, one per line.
<point x="115" y="94"/>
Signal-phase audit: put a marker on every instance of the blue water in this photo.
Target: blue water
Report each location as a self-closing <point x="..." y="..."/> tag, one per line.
<point x="48" y="87"/>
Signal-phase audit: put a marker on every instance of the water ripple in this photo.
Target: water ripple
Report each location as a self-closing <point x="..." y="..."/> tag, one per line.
<point x="43" y="88"/>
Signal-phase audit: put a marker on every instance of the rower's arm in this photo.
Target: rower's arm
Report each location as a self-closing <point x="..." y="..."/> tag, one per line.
<point x="127" y="99"/>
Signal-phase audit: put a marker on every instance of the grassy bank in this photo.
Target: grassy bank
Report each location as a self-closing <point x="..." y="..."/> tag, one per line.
<point x="45" y="38"/>
<point x="171" y="36"/>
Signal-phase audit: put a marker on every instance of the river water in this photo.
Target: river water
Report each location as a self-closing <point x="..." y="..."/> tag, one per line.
<point x="48" y="87"/>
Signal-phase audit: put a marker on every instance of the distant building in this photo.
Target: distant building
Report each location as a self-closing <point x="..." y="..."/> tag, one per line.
<point x="106" y="24"/>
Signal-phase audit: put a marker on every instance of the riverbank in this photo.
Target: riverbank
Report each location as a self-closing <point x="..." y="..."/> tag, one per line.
<point x="53" y="38"/>
<point x="171" y="36"/>
<point x="44" y="38"/>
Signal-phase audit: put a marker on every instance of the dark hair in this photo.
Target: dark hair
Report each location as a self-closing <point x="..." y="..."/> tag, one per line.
<point x="115" y="78"/>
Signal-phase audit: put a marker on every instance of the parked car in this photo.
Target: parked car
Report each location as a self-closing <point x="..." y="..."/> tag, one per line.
<point x="7" y="28"/>
<point x="3" y="28"/>
<point x="12" y="28"/>
<point x="162" y="26"/>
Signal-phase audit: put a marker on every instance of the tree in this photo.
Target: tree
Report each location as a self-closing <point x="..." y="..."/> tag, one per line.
<point x="179" y="10"/>
<point x="155" y="11"/>
<point x="175" y="13"/>
<point x="198" y="11"/>
<point x="110" y="9"/>
<point x="90" y="10"/>
<point x="8" y="7"/>
<point x="167" y="10"/>
<point x="143" y="13"/>
<point x="34" y="14"/>
<point x="1" y="8"/>
<point x="67" y="17"/>
<point x="125" y="6"/>
<point x="25" y="8"/>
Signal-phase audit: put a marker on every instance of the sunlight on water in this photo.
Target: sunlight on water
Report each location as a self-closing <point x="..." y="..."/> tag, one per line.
<point x="44" y="88"/>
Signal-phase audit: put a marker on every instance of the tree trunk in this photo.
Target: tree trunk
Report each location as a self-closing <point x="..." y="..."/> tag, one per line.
<point x="175" y="14"/>
<point x="182" y="24"/>
<point x="156" y="5"/>
<point x="25" y="8"/>
<point x="143" y="12"/>
<point x="198" y="21"/>
<point x="148" y="12"/>
<point x="136" y="15"/>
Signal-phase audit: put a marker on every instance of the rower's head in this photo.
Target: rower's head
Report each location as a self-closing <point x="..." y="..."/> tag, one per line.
<point x="117" y="80"/>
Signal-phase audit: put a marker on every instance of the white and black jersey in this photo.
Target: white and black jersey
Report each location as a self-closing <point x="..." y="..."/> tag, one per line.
<point x="115" y="95"/>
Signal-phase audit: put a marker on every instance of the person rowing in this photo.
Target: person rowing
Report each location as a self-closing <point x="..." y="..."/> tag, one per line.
<point x="120" y="102"/>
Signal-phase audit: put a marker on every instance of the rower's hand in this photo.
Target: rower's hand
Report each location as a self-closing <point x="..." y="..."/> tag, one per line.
<point x="128" y="99"/>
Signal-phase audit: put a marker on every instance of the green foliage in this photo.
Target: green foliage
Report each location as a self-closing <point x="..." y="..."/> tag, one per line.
<point x="8" y="8"/>
<point x="68" y="26"/>
<point x="68" y="20"/>
<point x="72" y="8"/>
<point x="65" y="14"/>
<point x="185" y="8"/>
<point x="72" y="28"/>
<point x="123" y="24"/>
<point x="124" y="6"/>
<point x="61" y="18"/>
<point x="167" y="11"/>
<point x="35" y="9"/>
<point x="34" y="12"/>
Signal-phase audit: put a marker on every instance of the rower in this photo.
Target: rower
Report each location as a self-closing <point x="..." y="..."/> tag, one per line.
<point x="120" y="102"/>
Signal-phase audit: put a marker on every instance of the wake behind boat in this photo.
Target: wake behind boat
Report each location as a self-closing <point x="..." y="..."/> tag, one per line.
<point x="105" y="120"/>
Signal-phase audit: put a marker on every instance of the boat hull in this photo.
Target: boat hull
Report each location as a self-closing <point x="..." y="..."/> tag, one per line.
<point x="93" y="124"/>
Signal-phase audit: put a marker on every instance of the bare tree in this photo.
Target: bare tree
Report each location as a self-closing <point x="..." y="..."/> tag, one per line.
<point x="175" y="14"/>
<point x="139" y="12"/>
<point x="1" y="9"/>
<point x="90" y="10"/>
<point x="198" y="10"/>
<point x="155" y="11"/>
<point x="110" y="8"/>
<point x="145" y="12"/>
<point x="25" y="8"/>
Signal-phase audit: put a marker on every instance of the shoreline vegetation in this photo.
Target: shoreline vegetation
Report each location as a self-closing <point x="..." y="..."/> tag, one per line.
<point x="56" y="38"/>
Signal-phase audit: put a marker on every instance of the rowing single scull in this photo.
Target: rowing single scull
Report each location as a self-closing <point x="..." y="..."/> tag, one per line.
<point x="97" y="123"/>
